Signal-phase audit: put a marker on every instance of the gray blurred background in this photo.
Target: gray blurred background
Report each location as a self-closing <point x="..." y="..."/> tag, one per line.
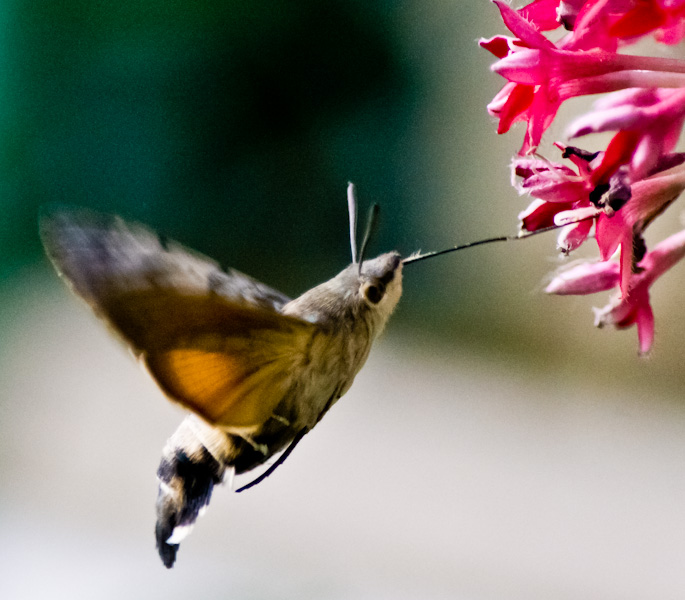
<point x="496" y="446"/>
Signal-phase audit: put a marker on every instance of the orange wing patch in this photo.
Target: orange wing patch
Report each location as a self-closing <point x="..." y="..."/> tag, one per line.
<point x="205" y="376"/>
<point x="220" y="387"/>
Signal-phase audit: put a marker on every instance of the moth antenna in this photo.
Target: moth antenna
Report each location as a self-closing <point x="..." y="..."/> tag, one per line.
<point x="371" y="225"/>
<point x="352" y="210"/>
<point x="503" y="238"/>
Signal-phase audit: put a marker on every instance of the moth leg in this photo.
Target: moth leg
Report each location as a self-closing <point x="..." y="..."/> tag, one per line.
<point x="261" y="448"/>
<point x="280" y="419"/>
<point x="279" y="461"/>
<point x="194" y="460"/>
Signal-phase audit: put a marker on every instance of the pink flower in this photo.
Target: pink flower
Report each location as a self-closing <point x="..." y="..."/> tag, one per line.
<point x="649" y="198"/>
<point x="559" y="190"/>
<point x="656" y="114"/>
<point x="519" y="101"/>
<point x="618" y="191"/>
<point x="511" y="104"/>
<point x="594" y="190"/>
<point x="600" y="191"/>
<point x="542" y="75"/>
<point x="549" y="181"/>
<point x="629" y="309"/>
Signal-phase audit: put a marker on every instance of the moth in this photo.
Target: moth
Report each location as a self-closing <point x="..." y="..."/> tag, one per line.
<point x="256" y="369"/>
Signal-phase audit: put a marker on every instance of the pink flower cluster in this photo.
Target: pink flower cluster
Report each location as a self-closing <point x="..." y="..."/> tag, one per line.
<point x="618" y="191"/>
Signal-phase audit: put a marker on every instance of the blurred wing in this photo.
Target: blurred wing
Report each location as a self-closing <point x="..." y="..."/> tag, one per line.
<point x="102" y="255"/>
<point x="214" y="341"/>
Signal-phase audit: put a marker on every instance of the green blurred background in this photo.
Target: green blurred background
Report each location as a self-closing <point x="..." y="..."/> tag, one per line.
<point x="234" y="127"/>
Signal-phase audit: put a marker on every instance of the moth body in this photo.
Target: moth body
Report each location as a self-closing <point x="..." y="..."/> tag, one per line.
<point x="347" y="324"/>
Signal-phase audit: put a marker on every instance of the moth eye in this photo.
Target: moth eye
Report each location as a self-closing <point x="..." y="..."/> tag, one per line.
<point x="373" y="293"/>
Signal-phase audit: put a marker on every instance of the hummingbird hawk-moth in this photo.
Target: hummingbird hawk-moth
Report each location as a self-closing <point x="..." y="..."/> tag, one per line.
<point x="256" y="369"/>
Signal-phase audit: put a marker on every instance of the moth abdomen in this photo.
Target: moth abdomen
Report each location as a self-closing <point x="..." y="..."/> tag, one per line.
<point x="194" y="460"/>
<point x="185" y="489"/>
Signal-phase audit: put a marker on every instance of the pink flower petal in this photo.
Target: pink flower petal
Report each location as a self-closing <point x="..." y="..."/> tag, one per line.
<point x="542" y="14"/>
<point x="621" y="117"/>
<point x="527" y="166"/>
<point x="585" y="278"/>
<point x="550" y="190"/>
<point x="541" y="114"/>
<point x="644" y="18"/>
<point x="576" y="215"/>
<point x="644" y="320"/>
<point x="631" y="96"/>
<point x="573" y="236"/>
<point x="652" y="195"/>
<point x="501" y="45"/>
<point x="665" y="255"/>
<point x="619" y="152"/>
<point x="540" y="214"/>
<point x="591" y="28"/>
<point x="521" y="28"/>
<point x="609" y="234"/>
<point x="519" y="100"/>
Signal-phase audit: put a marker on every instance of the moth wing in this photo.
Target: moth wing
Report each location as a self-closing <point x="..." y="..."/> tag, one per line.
<point x="102" y="255"/>
<point x="214" y="341"/>
<point x="234" y="365"/>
